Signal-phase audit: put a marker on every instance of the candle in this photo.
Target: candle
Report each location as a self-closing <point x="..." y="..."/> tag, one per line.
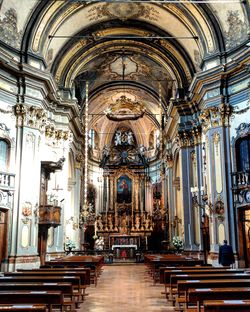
<point x="95" y="226"/>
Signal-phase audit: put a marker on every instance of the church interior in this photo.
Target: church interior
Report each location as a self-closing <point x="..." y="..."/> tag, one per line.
<point x="124" y="144"/>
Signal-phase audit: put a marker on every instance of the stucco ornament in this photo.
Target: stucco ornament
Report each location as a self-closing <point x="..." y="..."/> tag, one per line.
<point x="237" y="31"/>
<point x="8" y="29"/>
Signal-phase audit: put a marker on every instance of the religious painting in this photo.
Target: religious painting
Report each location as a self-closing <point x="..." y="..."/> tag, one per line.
<point x="124" y="190"/>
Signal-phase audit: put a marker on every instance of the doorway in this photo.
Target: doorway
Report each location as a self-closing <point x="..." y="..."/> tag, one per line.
<point x="244" y="228"/>
<point x="3" y="234"/>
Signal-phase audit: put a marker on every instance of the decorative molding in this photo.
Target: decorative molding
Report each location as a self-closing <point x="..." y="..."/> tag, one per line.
<point x="8" y="29"/>
<point x="243" y="130"/>
<point x="56" y="135"/>
<point x="191" y="137"/>
<point x="79" y="159"/>
<point x="237" y="31"/>
<point x="216" y="116"/>
<point x="30" y="116"/>
<point x="125" y="109"/>
<point x="123" y="11"/>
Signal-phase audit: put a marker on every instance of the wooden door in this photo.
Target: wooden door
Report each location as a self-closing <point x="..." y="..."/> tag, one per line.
<point x="245" y="238"/>
<point x="3" y="234"/>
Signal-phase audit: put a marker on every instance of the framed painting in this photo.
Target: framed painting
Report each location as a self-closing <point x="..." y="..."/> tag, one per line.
<point x="124" y="190"/>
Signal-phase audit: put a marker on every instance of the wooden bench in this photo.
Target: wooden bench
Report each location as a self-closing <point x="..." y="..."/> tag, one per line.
<point x="227" y="306"/>
<point x="23" y="308"/>
<point x="175" y="278"/>
<point x="66" y="288"/>
<point x="184" y="285"/>
<point x="171" y="276"/>
<point x="196" y="267"/>
<point x="74" y="280"/>
<point x="154" y="263"/>
<point x="198" y="296"/>
<point x="50" y="298"/>
<point x="86" y="270"/>
<point x="93" y="262"/>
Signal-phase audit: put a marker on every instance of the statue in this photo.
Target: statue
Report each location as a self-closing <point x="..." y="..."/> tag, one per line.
<point x="99" y="223"/>
<point x="105" y="155"/>
<point x="147" y="223"/>
<point x="141" y="154"/>
<point x="124" y="223"/>
<point x="130" y="139"/>
<point x="110" y="222"/>
<point x="99" y="243"/>
<point x="137" y="222"/>
<point x="118" y="137"/>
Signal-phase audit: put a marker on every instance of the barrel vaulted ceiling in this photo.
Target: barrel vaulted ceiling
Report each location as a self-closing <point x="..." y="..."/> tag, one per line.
<point x="141" y="50"/>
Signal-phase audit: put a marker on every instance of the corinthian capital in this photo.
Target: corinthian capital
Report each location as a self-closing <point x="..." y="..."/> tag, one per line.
<point x="216" y="116"/>
<point x="30" y="116"/>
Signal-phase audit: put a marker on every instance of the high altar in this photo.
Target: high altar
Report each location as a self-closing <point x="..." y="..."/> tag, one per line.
<point x="125" y="219"/>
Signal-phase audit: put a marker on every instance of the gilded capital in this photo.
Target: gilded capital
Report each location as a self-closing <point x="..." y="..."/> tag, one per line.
<point x="216" y="116"/>
<point x="30" y="116"/>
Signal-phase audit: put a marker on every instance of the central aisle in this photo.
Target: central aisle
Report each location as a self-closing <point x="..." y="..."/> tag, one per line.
<point x="125" y="288"/>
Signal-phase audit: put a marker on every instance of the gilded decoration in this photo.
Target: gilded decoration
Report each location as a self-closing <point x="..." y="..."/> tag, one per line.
<point x="237" y="31"/>
<point x="79" y="159"/>
<point x="189" y="137"/>
<point x="216" y="116"/>
<point x="123" y="11"/>
<point x="8" y="29"/>
<point x="125" y="109"/>
<point x="57" y="134"/>
<point x="27" y="209"/>
<point x="30" y="116"/>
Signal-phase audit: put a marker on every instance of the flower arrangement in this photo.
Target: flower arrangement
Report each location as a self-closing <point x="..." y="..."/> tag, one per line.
<point x="177" y="242"/>
<point x="70" y="244"/>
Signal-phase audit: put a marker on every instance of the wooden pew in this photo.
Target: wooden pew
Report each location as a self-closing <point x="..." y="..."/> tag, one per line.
<point x="78" y="286"/>
<point x="194" y="271"/>
<point x="87" y="270"/>
<point x="199" y="295"/>
<point x="66" y="289"/>
<point x="171" y="276"/>
<point x="155" y="262"/>
<point x="74" y="280"/>
<point x="175" y="278"/>
<point x="85" y="277"/>
<point x="23" y="308"/>
<point x="227" y="306"/>
<point x="184" y="285"/>
<point x="93" y="262"/>
<point x="51" y="298"/>
<point x="196" y="267"/>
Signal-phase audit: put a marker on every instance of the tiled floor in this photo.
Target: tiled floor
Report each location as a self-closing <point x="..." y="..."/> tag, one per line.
<point x="125" y="288"/>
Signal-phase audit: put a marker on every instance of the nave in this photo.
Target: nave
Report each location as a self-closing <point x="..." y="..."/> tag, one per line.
<point x="125" y="288"/>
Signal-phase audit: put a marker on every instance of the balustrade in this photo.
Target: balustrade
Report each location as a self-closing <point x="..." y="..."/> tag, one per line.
<point x="7" y="181"/>
<point x="241" y="179"/>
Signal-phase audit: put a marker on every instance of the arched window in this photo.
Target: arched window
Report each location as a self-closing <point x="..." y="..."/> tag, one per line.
<point x="243" y="154"/>
<point x="4" y="151"/>
<point x="92" y="138"/>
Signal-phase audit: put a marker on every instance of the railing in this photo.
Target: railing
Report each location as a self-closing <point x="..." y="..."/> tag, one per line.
<point x="50" y="215"/>
<point x="7" y="181"/>
<point x="241" y="180"/>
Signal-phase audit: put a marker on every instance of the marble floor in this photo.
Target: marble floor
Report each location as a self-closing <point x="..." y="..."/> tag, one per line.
<point x="125" y="288"/>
